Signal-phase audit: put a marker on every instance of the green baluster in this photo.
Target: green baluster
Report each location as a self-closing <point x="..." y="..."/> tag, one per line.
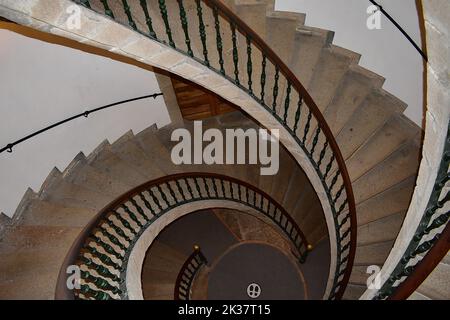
<point x="124" y="222"/>
<point x="335" y="178"/>
<point x="155" y="199"/>
<point x="232" y="190"/>
<point x="197" y="187"/>
<point x="339" y="193"/>
<point x="100" y="283"/>
<point x="263" y="78"/>
<point x="108" y="11"/>
<point x="97" y="295"/>
<point x="222" y="186"/>
<point x="298" y="114"/>
<point x="341" y="208"/>
<point x="202" y="31"/>
<point x="86" y="3"/>
<point x="188" y="186"/>
<point x="118" y="230"/>
<point x="208" y="191"/>
<point x="287" y="102"/>
<point x="148" y="19"/>
<point x="172" y="193"/>
<point x="165" y="17"/>
<point x="180" y="190"/>
<point x="218" y="39"/>
<point x="249" y="65"/>
<point x="108" y="249"/>
<point x="438" y="222"/>
<point x="308" y="124"/>
<point x="235" y="53"/>
<point x="114" y="240"/>
<point x="275" y="90"/>
<point x="216" y="191"/>
<point x="184" y="24"/>
<point x="101" y="270"/>
<point x="103" y="258"/>
<point x="322" y="154"/>
<point x="132" y="215"/>
<point x="147" y="205"/>
<point x="163" y="195"/>
<point x="315" y="141"/>
<point x="329" y="166"/>
<point x="128" y="13"/>
<point x="139" y="209"/>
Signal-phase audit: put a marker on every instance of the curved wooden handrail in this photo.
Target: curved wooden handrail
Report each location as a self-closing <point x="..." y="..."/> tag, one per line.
<point x="424" y="268"/>
<point x="62" y="292"/>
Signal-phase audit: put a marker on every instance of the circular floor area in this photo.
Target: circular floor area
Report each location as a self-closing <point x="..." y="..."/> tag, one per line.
<point x="256" y="270"/>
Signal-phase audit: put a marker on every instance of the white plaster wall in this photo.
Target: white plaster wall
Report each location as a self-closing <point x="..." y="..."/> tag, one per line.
<point x="385" y="51"/>
<point x="42" y="83"/>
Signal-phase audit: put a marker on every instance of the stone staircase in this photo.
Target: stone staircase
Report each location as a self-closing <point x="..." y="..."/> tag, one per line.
<point x="380" y="145"/>
<point x="68" y="200"/>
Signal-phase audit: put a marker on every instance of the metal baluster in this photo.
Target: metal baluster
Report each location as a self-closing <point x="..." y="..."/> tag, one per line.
<point x="148" y="19"/>
<point x="275" y="90"/>
<point x="100" y="283"/>
<point x="132" y="215"/>
<point x="322" y="154"/>
<point x="180" y="190"/>
<point x="139" y="209"/>
<point x="235" y="53"/>
<point x="202" y="31"/>
<point x="308" y="124"/>
<point x="287" y="102"/>
<point x="108" y="249"/>
<point x="218" y="39"/>
<point x="129" y="15"/>
<point x="86" y="3"/>
<point x="184" y="24"/>
<point x="298" y="114"/>
<point x="263" y="78"/>
<point x="188" y="186"/>
<point x="97" y="295"/>
<point x="101" y="270"/>
<point x="108" y="11"/>
<point x="249" y="65"/>
<point x="315" y="141"/>
<point x="146" y="203"/>
<point x="124" y="222"/>
<point x="164" y="15"/>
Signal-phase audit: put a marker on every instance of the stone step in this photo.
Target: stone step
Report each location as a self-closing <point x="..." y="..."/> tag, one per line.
<point x="158" y="291"/>
<point x="378" y="107"/>
<point x="386" y="203"/>
<point x="381" y="230"/>
<point x="297" y="184"/>
<point x="308" y="46"/>
<point x="127" y="150"/>
<point x="318" y="234"/>
<point x="55" y="189"/>
<point x="281" y="181"/>
<point x="418" y="296"/>
<point x="401" y="164"/>
<point x="353" y="292"/>
<point x="30" y="262"/>
<point x="79" y="172"/>
<point x="44" y="213"/>
<point x="373" y="254"/>
<point x="331" y="67"/>
<point x="381" y="145"/>
<point x="437" y="285"/>
<point x="359" y="275"/>
<point x="104" y="160"/>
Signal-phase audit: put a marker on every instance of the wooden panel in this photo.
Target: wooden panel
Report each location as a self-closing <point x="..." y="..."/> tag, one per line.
<point x="196" y="103"/>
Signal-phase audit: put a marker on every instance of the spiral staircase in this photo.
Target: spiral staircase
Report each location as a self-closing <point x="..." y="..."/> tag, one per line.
<point x="375" y="157"/>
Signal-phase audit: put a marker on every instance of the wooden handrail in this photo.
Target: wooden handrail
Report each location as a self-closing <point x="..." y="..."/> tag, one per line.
<point x="424" y="268"/>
